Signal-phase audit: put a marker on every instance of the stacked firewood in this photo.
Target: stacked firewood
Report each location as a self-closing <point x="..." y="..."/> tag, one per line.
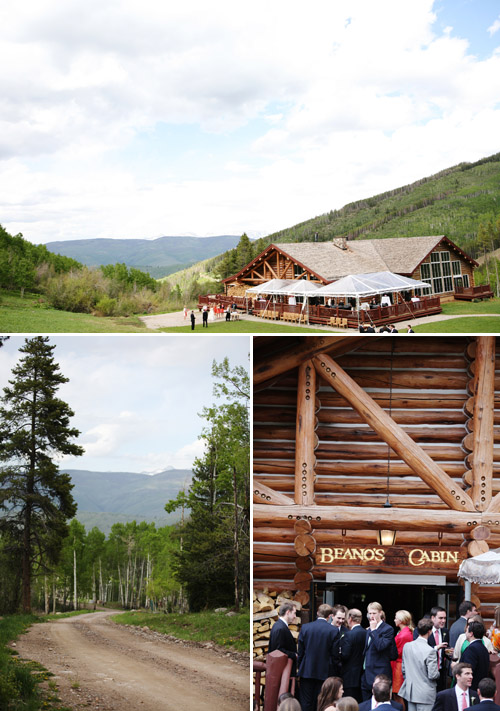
<point x="265" y="613"/>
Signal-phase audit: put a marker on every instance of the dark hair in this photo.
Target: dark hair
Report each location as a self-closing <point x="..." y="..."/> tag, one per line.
<point x="477" y="629"/>
<point x="457" y="671"/>
<point x="382" y="689"/>
<point x="330" y="692"/>
<point x="436" y="609"/>
<point x="464" y="607"/>
<point x="424" y="625"/>
<point x="285" y="695"/>
<point x="487" y="688"/>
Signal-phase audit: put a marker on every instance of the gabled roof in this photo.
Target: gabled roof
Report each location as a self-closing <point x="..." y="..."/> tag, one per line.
<point x="401" y="255"/>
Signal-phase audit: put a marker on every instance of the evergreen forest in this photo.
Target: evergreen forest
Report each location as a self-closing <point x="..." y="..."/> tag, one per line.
<point x="50" y="562"/>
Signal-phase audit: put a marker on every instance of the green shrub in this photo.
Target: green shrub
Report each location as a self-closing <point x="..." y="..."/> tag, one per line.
<point x="106" y="306"/>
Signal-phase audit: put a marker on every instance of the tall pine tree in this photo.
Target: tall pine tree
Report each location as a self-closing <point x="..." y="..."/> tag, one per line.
<point x="35" y="498"/>
<point x="214" y="561"/>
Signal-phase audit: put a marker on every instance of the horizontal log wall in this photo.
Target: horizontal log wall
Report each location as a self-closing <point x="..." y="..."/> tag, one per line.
<point x="431" y="400"/>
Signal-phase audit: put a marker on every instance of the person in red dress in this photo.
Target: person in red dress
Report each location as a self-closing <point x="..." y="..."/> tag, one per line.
<point x="403" y="620"/>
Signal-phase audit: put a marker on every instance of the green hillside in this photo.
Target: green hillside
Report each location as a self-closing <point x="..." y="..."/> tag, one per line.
<point x="452" y="202"/>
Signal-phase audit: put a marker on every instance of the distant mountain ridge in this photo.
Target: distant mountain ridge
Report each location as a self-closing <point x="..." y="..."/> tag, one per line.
<point x="163" y="255"/>
<point x="104" y="498"/>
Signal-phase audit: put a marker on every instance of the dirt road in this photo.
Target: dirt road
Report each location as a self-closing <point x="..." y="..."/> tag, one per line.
<point x="106" y="667"/>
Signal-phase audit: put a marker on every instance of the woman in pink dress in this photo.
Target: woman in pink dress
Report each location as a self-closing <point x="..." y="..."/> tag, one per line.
<point x="402" y="620"/>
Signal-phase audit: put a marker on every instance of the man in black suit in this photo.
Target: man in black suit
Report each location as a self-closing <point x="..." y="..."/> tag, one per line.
<point x="486" y="691"/>
<point x="315" y="654"/>
<point x="439" y="639"/>
<point x="460" y="696"/>
<point x="352" y="655"/>
<point x="281" y="638"/>
<point x="338" y="620"/>
<point x="382" y="689"/>
<point x="476" y="653"/>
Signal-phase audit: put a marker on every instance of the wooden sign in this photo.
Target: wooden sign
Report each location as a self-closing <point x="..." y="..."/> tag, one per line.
<point x="411" y="557"/>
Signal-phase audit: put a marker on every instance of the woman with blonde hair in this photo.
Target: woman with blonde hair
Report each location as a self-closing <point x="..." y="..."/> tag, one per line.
<point x="330" y="693"/>
<point x="403" y="620"/>
<point x="347" y="703"/>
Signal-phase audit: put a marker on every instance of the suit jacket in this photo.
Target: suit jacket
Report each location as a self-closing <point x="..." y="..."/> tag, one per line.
<point x="316" y="649"/>
<point x="485" y="705"/>
<point x="420" y="671"/>
<point x="378" y="651"/>
<point x="281" y="638"/>
<point x="477" y="656"/>
<point x="352" y="656"/>
<point x="447" y="700"/>
<point x="367" y="705"/>
<point x="445" y="634"/>
<point x="457" y="628"/>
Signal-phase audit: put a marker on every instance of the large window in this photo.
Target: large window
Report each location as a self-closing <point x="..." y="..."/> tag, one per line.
<point x="439" y="272"/>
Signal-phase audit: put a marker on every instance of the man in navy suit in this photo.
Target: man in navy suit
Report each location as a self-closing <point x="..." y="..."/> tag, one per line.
<point x="380" y="649"/>
<point x="486" y="691"/>
<point x="460" y="696"/>
<point x="352" y="655"/>
<point x="281" y="638"/>
<point x="315" y="656"/>
<point x="381" y="685"/>
<point x="466" y="609"/>
<point x="439" y="639"/>
<point x="476" y="653"/>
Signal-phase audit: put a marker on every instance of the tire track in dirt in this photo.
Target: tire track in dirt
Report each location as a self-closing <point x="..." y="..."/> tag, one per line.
<point x="106" y="667"/>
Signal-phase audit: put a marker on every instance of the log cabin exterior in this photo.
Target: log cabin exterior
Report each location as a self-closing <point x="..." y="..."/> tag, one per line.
<point x="355" y="435"/>
<point x="434" y="259"/>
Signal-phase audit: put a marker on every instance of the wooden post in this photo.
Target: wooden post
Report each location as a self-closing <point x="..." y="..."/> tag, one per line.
<point x="305" y="438"/>
<point x="416" y="458"/>
<point x="484" y="399"/>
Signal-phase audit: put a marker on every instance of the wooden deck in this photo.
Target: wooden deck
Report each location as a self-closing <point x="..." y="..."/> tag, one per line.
<point x="330" y="316"/>
<point x="473" y="292"/>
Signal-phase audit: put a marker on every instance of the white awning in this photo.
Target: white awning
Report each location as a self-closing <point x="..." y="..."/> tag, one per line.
<point x="370" y="285"/>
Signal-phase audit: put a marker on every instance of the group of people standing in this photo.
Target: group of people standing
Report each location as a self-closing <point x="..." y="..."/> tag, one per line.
<point x="426" y="668"/>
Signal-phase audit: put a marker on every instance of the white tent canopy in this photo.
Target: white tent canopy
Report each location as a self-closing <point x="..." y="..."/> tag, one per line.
<point x="303" y="287"/>
<point x="275" y="286"/>
<point x="360" y="285"/>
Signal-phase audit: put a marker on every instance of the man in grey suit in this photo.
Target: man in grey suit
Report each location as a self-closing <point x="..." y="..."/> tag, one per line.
<point x="420" y="670"/>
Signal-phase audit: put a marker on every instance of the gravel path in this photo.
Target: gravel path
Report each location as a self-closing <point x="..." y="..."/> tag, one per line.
<point x="108" y="667"/>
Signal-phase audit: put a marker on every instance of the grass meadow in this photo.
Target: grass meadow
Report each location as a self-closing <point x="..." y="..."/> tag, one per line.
<point x="32" y="315"/>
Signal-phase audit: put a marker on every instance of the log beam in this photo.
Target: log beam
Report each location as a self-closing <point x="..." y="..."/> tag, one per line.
<point x="271" y="367"/>
<point x="350" y="517"/>
<point x="305" y="438"/>
<point x="263" y="494"/>
<point x="396" y="438"/>
<point x="483" y="435"/>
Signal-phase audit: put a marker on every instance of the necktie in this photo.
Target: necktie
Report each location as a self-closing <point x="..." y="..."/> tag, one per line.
<point x="436" y="637"/>
<point x="464" y="700"/>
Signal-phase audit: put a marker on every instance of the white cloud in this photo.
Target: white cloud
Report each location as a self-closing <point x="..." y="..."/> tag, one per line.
<point x="314" y="95"/>
<point x="494" y="27"/>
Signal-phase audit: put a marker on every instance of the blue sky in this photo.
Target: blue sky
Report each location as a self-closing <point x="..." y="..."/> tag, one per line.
<point x="136" y="400"/>
<point x="138" y="119"/>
